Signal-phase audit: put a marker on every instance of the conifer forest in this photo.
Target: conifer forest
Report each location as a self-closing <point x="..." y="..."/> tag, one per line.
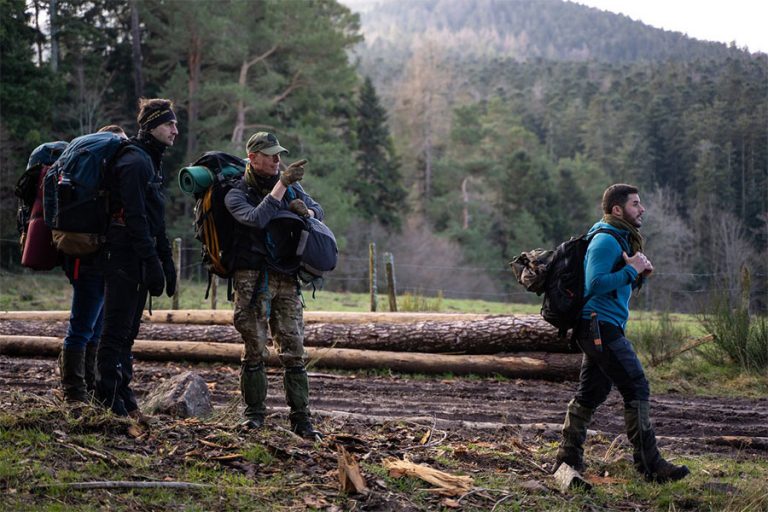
<point x="454" y="134"/>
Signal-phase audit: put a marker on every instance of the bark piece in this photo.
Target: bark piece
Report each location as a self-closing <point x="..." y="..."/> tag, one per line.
<point x="568" y="478"/>
<point x="445" y="483"/>
<point x="350" y="478"/>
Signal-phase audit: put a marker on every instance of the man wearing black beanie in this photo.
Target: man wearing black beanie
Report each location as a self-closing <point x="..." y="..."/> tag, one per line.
<point x="138" y="253"/>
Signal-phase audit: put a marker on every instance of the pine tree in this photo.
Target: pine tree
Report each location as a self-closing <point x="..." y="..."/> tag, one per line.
<point x="378" y="187"/>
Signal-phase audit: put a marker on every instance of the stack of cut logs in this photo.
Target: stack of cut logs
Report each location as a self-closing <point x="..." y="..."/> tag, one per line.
<point x="518" y="346"/>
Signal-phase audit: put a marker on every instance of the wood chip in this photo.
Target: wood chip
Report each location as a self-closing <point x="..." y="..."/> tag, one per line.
<point x="447" y="484"/>
<point x="350" y="478"/>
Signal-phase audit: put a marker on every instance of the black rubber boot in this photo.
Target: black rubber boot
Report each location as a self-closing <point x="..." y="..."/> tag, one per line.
<point x="109" y="382"/>
<point x="72" y="366"/>
<point x="90" y="367"/>
<point x="571" y="450"/>
<point x="297" y="396"/>
<point x="253" y="387"/>
<point x="646" y="456"/>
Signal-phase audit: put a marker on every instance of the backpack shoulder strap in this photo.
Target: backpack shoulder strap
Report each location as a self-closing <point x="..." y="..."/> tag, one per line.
<point x="622" y="243"/>
<point x="620" y="262"/>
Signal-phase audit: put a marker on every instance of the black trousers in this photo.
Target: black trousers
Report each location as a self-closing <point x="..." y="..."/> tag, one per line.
<point x="124" y="300"/>
<point x="616" y="364"/>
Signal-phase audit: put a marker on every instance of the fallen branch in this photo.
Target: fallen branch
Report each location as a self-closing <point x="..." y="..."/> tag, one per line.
<point x="126" y="484"/>
<point x="697" y="342"/>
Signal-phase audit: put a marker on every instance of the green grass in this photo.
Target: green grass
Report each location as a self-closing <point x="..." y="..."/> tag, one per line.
<point x="51" y="291"/>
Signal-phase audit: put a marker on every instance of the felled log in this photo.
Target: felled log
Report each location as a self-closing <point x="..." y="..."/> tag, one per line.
<point x="149" y="331"/>
<point x="224" y="317"/>
<point x="537" y="365"/>
<point x="493" y="335"/>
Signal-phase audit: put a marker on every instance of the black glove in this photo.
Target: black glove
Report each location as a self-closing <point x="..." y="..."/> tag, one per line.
<point x="299" y="207"/>
<point x="169" y="269"/>
<point x="153" y="276"/>
<point x="293" y="173"/>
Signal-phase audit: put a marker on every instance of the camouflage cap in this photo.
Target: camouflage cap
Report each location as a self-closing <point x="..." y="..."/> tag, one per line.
<point x="264" y="142"/>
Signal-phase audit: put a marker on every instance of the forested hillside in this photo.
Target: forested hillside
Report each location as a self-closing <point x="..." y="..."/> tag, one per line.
<point x="454" y="133"/>
<point x="513" y="116"/>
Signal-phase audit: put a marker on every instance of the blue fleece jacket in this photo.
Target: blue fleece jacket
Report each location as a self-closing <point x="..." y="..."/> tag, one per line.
<point x="600" y="282"/>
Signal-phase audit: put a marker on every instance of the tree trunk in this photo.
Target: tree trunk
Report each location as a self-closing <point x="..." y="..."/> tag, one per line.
<point x="195" y="56"/>
<point x="489" y="336"/>
<point x="136" y="56"/>
<point x="523" y="365"/>
<point x="54" y="36"/>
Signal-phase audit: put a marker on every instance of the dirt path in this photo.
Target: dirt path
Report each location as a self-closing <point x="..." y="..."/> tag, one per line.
<point x="478" y="403"/>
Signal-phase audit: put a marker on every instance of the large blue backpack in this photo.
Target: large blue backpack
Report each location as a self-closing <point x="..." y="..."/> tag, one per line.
<point x="302" y="246"/>
<point x="75" y="195"/>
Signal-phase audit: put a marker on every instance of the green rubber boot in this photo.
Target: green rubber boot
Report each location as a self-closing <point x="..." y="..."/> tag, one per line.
<point x="571" y="450"/>
<point x="253" y="387"/>
<point x="297" y="397"/>
<point x="646" y="456"/>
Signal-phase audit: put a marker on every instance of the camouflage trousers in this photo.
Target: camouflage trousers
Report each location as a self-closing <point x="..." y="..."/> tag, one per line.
<point x="268" y="307"/>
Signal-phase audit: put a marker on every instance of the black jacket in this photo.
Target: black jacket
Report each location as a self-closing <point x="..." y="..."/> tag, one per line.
<point x="137" y="201"/>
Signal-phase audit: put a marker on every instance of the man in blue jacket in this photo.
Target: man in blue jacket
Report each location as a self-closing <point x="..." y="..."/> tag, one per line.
<point x="267" y="300"/>
<point x="611" y="271"/>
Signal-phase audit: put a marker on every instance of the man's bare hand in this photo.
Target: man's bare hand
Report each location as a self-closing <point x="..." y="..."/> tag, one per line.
<point x="293" y="173"/>
<point x="639" y="262"/>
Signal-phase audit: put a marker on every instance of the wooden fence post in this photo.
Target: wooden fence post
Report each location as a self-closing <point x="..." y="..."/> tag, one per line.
<point x="177" y="264"/>
<point x="214" y="289"/>
<point x="372" y="273"/>
<point x="389" y="268"/>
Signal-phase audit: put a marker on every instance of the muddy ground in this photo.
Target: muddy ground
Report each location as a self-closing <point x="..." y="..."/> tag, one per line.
<point x="499" y="434"/>
<point x="693" y="425"/>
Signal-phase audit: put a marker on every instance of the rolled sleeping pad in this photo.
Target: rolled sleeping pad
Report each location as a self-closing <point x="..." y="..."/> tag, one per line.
<point x="38" y="251"/>
<point x="194" y="180"/>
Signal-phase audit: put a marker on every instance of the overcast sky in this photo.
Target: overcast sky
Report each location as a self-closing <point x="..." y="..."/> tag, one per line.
<point x="743" y="21"/>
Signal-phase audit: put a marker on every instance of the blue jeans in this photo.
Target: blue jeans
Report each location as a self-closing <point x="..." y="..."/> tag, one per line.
<point x="87" y="311"/>
<point x="617" y="364"/>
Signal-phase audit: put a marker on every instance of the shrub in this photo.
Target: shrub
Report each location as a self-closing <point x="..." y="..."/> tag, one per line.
<point x="418" y="302"/>
<point x="656" y="340"/>
<point x="738" y="338"/>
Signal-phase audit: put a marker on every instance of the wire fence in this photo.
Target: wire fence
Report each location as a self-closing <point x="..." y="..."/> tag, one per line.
<point x="498" y="283"/>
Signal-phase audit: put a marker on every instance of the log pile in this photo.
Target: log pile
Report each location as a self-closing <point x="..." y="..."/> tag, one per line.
<point x="520" y="346"/>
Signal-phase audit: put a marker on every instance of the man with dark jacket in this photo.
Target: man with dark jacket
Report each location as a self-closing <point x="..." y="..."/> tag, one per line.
<point x="268" y="301"/>
<point x="611" y="271"/>
<point x="137" y="251"/>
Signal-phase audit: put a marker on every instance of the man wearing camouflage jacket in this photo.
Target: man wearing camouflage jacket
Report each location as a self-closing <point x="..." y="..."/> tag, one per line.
<point x="267" y="301"/>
